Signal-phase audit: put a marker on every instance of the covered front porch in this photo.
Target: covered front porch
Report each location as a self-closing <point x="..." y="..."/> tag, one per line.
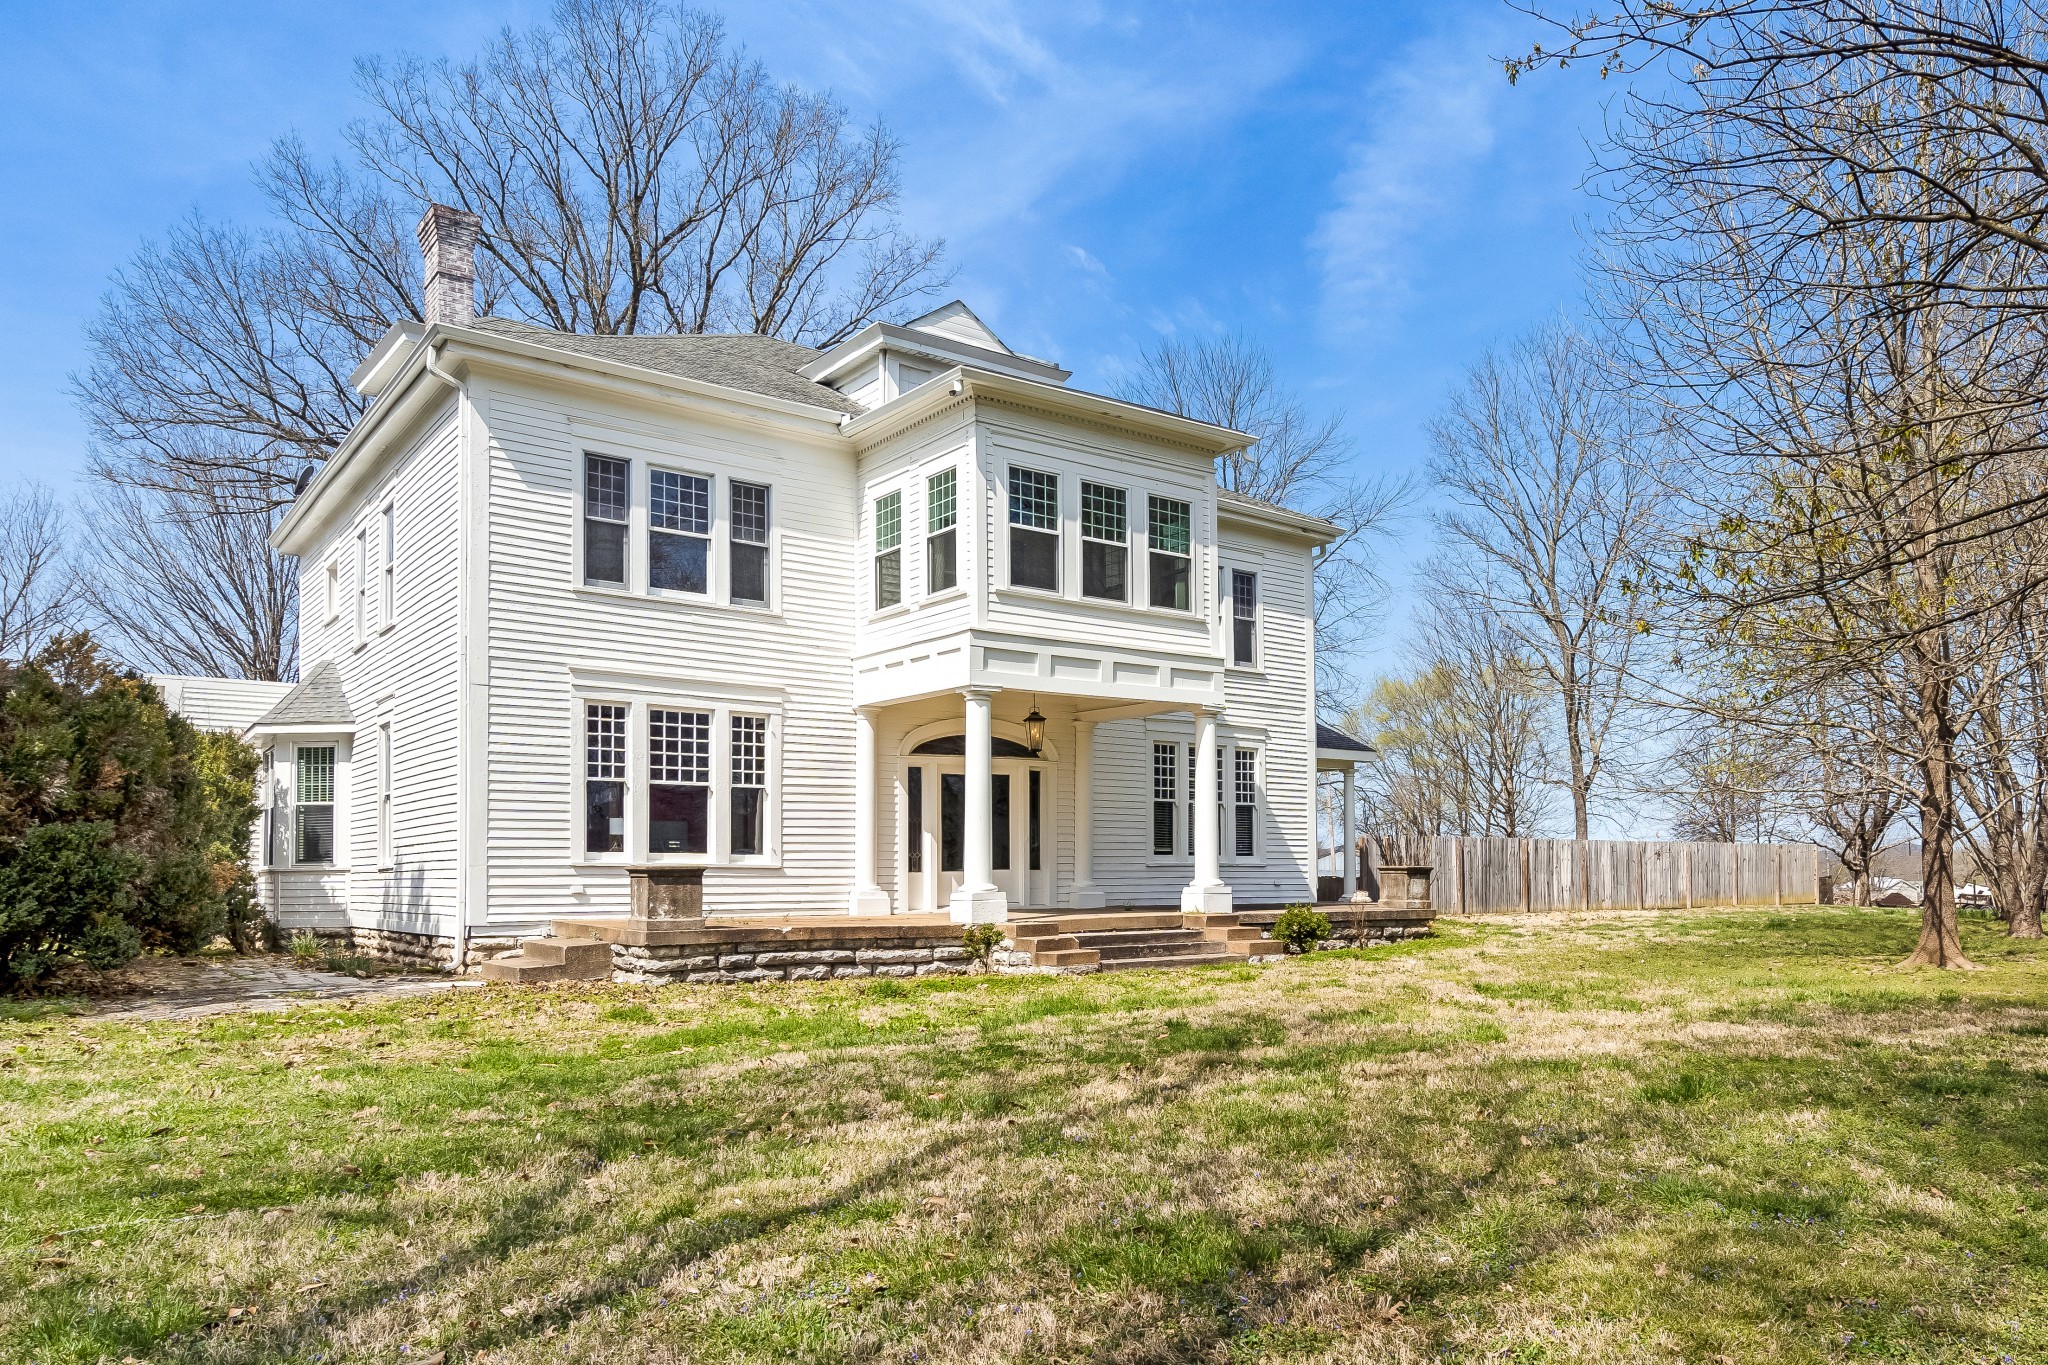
<point x="982" y="804"/>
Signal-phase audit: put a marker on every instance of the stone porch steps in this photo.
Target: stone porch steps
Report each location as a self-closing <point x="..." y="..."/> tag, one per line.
<point x="553" y="959"/>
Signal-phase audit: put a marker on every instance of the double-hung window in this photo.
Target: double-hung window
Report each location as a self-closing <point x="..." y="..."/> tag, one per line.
<point x="313" y="828"/>
<point x="362" y="585"/>
<point x="749" y="783"/>
<point x="747" y="544"/>
<point x="1170" y="524"/>
<point x="387" y="604"/>
<point x="1165" y="796"/>
<point x="888" y="550"/>
<point x="678" y="781"/>
<point x="1105" y="549"/>
<point x="384" y="794"/>
<point x="604" y="777"/>
<point x="941" y="531"/>
<point x="1244" y="618"/>
<point x="1034" y="529"/>
<point x="333" y="577"/>
<point x="607" y="508"/>
<point x="1244" y="805"/>
<point x="678" y="532"/>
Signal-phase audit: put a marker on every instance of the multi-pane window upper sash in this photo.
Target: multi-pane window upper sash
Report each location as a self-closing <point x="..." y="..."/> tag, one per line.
<point x="1105" y="536"/>
<point x="888" y="550"/>
<point x="1169" y="533"/>
<point x="1165" y="795"/>
<point x="678" y="781"/>
<point x="1244" y="617"/>
<point x="387" y="605"/>
<point x="942" y="519"/>
<point x="749" y="783"/>
<point x="313" y="827"/>
<point x="604" y="777"/>
<point x="678" y="531"/>
<point x="1034" y="529"/>
<point x="1245" y="803"/>
<point x="607" y="510"/>
<point x="747" y="544"/>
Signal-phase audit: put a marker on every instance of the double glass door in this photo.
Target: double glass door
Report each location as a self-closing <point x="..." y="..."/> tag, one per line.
<point x="935" y="831"/>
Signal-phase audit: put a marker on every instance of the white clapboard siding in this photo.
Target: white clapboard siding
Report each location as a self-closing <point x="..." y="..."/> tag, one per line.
<point x="405" y="675"/>
<point x="543" y="624"/>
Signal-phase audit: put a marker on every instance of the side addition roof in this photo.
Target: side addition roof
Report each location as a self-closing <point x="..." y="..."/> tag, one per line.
<point x="1335" y="749"/>
<point x="317" y="703"/>
<point x="752" y="364"/>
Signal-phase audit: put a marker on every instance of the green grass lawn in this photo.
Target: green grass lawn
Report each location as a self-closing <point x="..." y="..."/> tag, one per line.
<point x="1708" y="1137"/>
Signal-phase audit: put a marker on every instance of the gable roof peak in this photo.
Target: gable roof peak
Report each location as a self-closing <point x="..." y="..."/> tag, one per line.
<point x="957" y="322"/>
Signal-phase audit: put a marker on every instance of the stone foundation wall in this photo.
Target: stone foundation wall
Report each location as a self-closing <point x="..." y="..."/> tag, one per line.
<point x="1360" y="926"/>
<point x="412" y="951"/>
<point x="782" y="961"/>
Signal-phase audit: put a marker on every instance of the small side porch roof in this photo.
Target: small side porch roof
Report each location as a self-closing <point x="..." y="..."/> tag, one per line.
<point x="1336" y="751"/>
<point x="318" y="705"/>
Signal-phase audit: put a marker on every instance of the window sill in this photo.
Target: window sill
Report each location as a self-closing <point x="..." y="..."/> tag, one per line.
<point x="1108" y="606"/>
<point x="691" y="601"/>
<point x="1245" y="670"/>
<point x="891" y="613"/>
<point x="601" y="862"/>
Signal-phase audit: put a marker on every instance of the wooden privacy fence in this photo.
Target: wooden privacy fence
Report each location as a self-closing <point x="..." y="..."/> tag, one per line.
<point x="1485" y="876"/>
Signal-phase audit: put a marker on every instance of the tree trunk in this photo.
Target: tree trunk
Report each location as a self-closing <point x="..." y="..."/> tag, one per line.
<point x="1940" y="944"/>
<point x="2024" y="919"/>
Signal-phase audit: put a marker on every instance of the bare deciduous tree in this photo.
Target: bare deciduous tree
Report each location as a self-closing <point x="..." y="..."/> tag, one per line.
<point x="633" y="172"/>
<point x="1464" y="737"/>
<point x="1295" y="461"/>
<point x="37" y="589"/>
<point x="177" y="583"/>
<point x="1550" y="494"/>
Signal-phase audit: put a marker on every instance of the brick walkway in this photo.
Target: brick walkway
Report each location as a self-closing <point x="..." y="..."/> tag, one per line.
<point x="182" y="987"/>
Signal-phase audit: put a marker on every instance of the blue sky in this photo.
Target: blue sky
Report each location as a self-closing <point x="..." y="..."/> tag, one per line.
<point x="1356" y="186"/>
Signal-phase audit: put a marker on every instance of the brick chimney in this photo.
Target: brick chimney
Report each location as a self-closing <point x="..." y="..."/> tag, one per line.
<point x="448" y="241"/>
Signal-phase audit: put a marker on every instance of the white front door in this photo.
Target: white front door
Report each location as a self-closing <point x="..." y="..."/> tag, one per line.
<point x="933" y="857"/>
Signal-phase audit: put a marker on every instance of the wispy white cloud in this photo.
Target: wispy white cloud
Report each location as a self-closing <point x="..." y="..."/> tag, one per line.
<point x="1082" y="257"/>
<point x="1430" y="129"/>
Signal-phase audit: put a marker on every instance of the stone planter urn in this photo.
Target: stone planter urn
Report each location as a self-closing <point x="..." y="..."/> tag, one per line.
<point x="1405" y="887"/>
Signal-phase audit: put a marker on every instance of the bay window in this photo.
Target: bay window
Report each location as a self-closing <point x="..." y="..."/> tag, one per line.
<point x="888" y="550"/>
<point x="678" y="781"/>
<point x="1105" y="554"/>
<point x="1034" y="529"/>
<point x="747" y="544"/>
<point x="607" y="506"/>
<point x="942" y="518"/>
<point x="678" y="532"/>
<point x="1170" y="524"/>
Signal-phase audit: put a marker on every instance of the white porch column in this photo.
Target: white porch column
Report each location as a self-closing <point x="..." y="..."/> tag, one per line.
<point x="1351" y="888"/>
<point x="978" y="900"/>
<point x="867" y="897"/>
<point x="1086" y="895"/>
<point x="1207" y="893"/>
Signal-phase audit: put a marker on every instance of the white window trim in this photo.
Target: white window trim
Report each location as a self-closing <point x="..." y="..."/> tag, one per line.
<point x="958" y="530"/>
<point x="286" y="759"/>
<point x="362" y="633"/>
<point x="719" y="834"/>
<point x="639" y="531"/>
<point x="1229" y="742"/>
<point x="1082" y="539"/>
<point x="387" y="603"/>
<point x="387" y="776"/>
<point x="333" y="585"/>
<point x="871" y="522"/>
<point x="1138" y="543"/>
<point x="1225" y="568"/>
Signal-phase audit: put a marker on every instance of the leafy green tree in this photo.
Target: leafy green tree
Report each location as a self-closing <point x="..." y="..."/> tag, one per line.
<point x="121" y="826"/>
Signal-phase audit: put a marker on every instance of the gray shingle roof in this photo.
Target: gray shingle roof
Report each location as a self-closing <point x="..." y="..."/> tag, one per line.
<point x="752" y="364"/>
<point x="318" y="700"/>
<point x="1330" y="737"/>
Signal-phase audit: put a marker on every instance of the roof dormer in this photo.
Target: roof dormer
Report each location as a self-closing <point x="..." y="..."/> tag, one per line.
<point x="885" y="360"/>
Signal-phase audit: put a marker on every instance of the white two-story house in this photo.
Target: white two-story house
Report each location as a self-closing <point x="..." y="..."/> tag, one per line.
<point x="903" y="626"/>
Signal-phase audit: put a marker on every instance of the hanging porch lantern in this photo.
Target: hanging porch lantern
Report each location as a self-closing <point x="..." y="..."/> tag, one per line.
<point x="1034" y="731"/>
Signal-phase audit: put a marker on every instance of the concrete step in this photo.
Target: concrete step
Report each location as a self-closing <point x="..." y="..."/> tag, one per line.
<point x="1143" y="940"/>
<point x="1066" y="957"/>
<point x="1234" y="933"/>
<point x="1255" y="947"/>
<point x="586" y="953"/>
<point x="1188" y="960"/>
<point x="553" y="959"/>
<point x="1207" y="921"/>
<point x="1095" y="921"/>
